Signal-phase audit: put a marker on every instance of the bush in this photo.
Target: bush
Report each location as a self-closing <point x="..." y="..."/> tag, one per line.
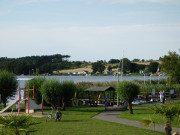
<point x="58" y="93"/>
<point x="128" y="91"/>
<point x="37" y="83"/>
<point x="8" y="86"/>
<point x="51" y="92"/>
<point x="67" y="92"/>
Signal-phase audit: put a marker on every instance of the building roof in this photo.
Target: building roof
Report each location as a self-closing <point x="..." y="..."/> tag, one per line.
<point x="101" y="89"/>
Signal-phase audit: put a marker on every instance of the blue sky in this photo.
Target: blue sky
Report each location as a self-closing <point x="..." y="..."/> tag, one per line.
<point x="90" y="30"/>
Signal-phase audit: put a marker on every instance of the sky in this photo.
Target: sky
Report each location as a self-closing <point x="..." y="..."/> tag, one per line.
<point x="90" y="30"/>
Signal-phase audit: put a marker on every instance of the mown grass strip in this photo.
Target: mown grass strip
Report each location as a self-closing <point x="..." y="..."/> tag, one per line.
<point x="79" y="121"/>
<point x="144" y="112"/>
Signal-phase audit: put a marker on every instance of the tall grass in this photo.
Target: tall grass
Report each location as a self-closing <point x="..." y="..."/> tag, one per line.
<point x="145" y="89"/>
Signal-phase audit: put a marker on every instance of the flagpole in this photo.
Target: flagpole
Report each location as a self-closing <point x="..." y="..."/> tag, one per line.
<point x="118" y="75"/>
<point x="122" y="66"/>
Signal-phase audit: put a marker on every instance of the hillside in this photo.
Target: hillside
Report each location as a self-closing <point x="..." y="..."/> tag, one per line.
<point x="88" y="67"/>
<point x="147" y="62"/>
<point x="67" y="71"/>
<point x="60" y="64"/>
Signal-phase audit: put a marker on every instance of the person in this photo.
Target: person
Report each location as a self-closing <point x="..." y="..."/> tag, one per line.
<point x="106" y="102"/>
<point x="17" y="106"/>
<point x="163" y="96"/>
<point x="58" y="115"/>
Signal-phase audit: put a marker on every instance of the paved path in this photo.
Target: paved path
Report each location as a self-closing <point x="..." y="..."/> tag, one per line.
<point x="112" y="117"/>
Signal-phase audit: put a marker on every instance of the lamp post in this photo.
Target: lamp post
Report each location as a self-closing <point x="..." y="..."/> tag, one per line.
<point x="118" y="75"/>
<point x="117" y="86"/>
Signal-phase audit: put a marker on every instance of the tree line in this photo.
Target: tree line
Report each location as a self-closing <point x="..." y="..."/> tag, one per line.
<point x="128" y="66"/>
<point x="170" y="64"/>
<point x="37" y="64"/>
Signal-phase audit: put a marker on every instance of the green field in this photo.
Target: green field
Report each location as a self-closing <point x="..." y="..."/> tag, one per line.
<point x="145" y="112"/>
<point x="79" y="121"/>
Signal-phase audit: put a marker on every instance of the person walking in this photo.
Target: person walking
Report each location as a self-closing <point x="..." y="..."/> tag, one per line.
<point x="106" y="103"/>
<point x="163" y="96"/>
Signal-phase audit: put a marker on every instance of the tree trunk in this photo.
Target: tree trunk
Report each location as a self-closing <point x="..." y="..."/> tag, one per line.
<point x="53" y="106"/>
<point x="4" y="104"/>
<point x="63" y="104"/>
<point x="168" y="128"/>
<point x="130" y="107"/>
<point x="16" y="132"/>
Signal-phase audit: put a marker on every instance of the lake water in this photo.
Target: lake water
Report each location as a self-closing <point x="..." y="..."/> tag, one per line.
<point x="92" y="78"/>
<point x="22" y="79"/>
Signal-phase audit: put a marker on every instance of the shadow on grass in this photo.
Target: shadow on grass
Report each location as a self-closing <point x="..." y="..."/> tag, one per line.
<point x="78" y="109"/>
<point x="71" y="120"/>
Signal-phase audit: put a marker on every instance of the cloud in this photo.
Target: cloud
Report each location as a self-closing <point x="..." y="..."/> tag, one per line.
<point x="145" y="1"/>
<point x="81" y="36"/>
<point x="4" y="12"/>
<point x="25" y="2"/>
<point x="48" y="1"/>
<point x="77" y="41"/>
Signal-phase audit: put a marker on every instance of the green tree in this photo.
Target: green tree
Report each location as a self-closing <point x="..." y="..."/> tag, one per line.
<point x="109" y="68"/>
<point x="95" y="67"/>
<point x="126" y="64"/>
<point x="81" y="87"/>
<point x="153" y="66"/>
<point x="37" y="83"/>
<point x="98" y="67"/>
<point x="15" y="124"/>
<point x="58" y="93"/>
<point x="51" y="92"/>
<point x="24" y="65"/>
<point x="168" y="113"/>
<point x="67" y="91"/>
<point x="136" y="60"/>
<point x="133" y="67"/>
<point x="171" y="65"/>
<point x="128" y="91"/>
<point x="46" y="68"/>
<point x="112" y="61"/>
<point x="141" y="67"/>
<point x="37" y="71"/>
<point x="8" y="86"/>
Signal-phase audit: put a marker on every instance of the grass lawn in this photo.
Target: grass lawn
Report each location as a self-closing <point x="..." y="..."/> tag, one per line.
<point x="144" y="112"/>
<point x="79" y="121"/>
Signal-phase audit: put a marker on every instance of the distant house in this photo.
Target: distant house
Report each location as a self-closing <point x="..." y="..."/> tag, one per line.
<point x="75" y="73"/>
<point x="143" y="71"/>
<point x="108" y="72"/>
<point x="84" y="72"/>
<point x="47" y="74"/>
